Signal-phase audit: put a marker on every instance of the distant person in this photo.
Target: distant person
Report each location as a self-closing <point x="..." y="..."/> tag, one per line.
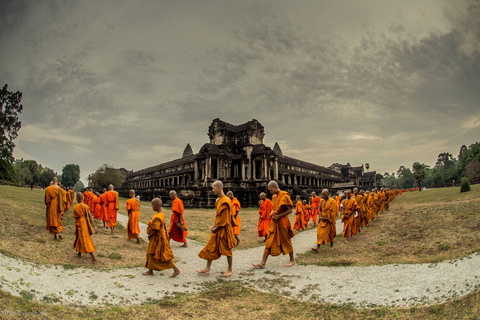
<point x="315" y="203"/>
<point x="133" y="211"/>
<point x="97" y="207"/>
<point x="159" y="252"/>
<point x="112" y="206"/>
<point x="104" y="211"/>
<point x="221" y="239"/>
<point x="299" y="223"/>
<point x="177" y="230"/>
<point x="307" y="209"/>
<point x="83" y="229"/>
<point x="55" y="202"/>
<point x="348" y="207"/>
<point x="280" y="232"/>
<point x="235" y="213"/>
<point x="264" y="219"/>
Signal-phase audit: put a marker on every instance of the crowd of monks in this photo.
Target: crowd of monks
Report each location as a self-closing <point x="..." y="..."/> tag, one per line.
<point x="357" y="210"/>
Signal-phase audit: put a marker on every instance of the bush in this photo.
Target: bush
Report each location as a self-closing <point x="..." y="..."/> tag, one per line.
<point x="465" y="186"/>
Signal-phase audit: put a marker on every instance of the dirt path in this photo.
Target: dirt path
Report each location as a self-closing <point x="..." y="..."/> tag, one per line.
<point x="388" y="285"/>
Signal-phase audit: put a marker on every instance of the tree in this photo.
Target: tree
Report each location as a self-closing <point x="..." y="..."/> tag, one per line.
<point x="10" y="108"/>
<point x="46" y="176"/>
<point x="70" y="175"/>
<point x="419" y="173"/>
<point x="79" y="186"/>
<point x="106" y="175"/>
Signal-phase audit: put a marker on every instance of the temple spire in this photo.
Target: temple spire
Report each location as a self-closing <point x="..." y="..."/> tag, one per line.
<point x="188" y="151"/>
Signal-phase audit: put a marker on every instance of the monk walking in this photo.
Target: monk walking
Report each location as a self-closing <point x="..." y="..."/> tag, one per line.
<point x="280" y="232"/>
<point x="299" y="223"/>
<point x="159" y="252"/>
<point x="133" y="210"/>
<point x="55" y="201"/>
<point x="177" y="230"/>
<point x="221" y="239"/>
<point x="83" y="229"/>
<point x="113" y="206"/>
<point x="235" y="210"/>
<point x="308" y="212"/>
<point x="264" y="220"/>
<point x="104" y="211"/>
<point x="327" y="229"/>
<point x="315" y="204"/>
<point x="349" y="207"/>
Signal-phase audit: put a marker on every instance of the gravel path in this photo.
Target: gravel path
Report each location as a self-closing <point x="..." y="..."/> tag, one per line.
<point x="389" y="285"/>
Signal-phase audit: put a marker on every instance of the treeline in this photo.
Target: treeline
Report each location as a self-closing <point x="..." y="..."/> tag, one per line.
<point x="30" y="173"/>
<point x="448" y="170"/>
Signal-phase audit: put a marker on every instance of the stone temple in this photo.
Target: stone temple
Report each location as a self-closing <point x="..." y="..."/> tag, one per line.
<point x="237" y="156"/>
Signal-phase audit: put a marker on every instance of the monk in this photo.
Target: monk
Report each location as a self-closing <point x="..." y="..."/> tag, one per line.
<point x="93" y="198"/>
<point x="349" y="207"/>
<point x="327" y="229"/>
<point x="221" y="239"/>
<point x="308" y="212"/>
<point x="375" y="203"/>
<point x="55" y="201"/>
<point x="83" y="229"/>
<point x="368" y="208"/>
<point x="280" y="232"/>
<point x="104" y="211"/>
<point x="70" y="197"/>
<point x="315" y="204"/>
<point x="264" y="220"/>
<point x="86" y="199"/>
<point x="338" y="198"/>
<point x="113" y="206"/>
<point x="133" y="211"/>
<point x="159" y="252"/>
<point x="235" y="209"/>
<point x="178" y="229"/>
<point x="299" y="223"/>
<point x="96" y="206"/>
<point x="358" y="216"/>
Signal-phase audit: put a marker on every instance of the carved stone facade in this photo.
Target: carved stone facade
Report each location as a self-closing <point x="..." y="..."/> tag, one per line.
<point x="237" y="156"/>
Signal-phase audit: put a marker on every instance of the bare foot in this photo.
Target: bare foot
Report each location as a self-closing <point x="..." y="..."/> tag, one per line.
<point x="259" y="265"/>
<point x="148" y="273"/>
<point x="79" y="255"/>
<point x="227" y="273"/>
<point x="60" y="236"/>
<point x="175" y="273"/>
<point x="315" y="249"/>
<point x="138" y="241"/>
<point x="184" y="245"/>
<point x="289" y="264"/>
<point x="331" y="248"/>
<point x="238" y="242"/>
<point x="346" y="241"/>
<point x="204" y="271"/>
<point x="94" y="260"/>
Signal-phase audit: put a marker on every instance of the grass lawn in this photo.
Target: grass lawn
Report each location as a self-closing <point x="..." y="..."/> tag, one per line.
<point x="230" y="300"/>
<point x="23" y="234"/>
<point x="420" y="227"/>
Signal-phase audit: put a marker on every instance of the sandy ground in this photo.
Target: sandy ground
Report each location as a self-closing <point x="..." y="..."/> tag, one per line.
<point x="389" y="285"/>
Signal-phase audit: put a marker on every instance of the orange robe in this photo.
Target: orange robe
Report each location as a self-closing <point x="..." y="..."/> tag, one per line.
<point x="104" y="210"/>
<point x="338" y="202"/>
<point x="264" y="220"/>
<point x="70" y="196"/>
<point x="359" y="217"/>
<point x="159" y="252"/>
<point x="86" y="198"/>
<point x="133" y="211"/>
<point x="97" y="208"/>
<point x="382" y="199"/>
<point x="368" y="209"/>
<point x="92" y="204"/>
<point x="83" y="229"/>
<point x="112" y="206"/>
<point x="174" y="232"/>
<point x="349" y="208"/>
<point x="375" y="205"/>
<point x="327" y="230"/>
<point x="315" y="205"/>
<point x="299" y="223"/>
<point x="55" y="200"/>
<point x="221" y="242"/>
<point x="280" y="232"/>
<point x="235" y="209"/>
<point x="308" y="213"/>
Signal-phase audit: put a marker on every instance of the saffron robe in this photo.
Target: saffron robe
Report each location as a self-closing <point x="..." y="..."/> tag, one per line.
<point x="133" y="211"/>
<point x="86" y="198"/>
<point x="235" y="209"/>
<point x="359" y="217"/>
<point x="349" y="208"/>
<point x="83" y="229"/>
<point x="264" y="220"/>
<point x="221" y="242"/>
<point x="159" y="252"/>
<point x="97" y="208"/>
<point x="327" y="230"/>
<point x="339" y="197"/>
<point x="174" y="232"/>
<point x="70" y="198"/>
<point x="91" y="197"/>
<point x="104" y="210"/>
<point x="375" y="205"/>
<point x="280" y="232"/>
<point x="315" y="205"/>
<point x="308" y="213"/>
<point x="112" y="206"/>
<point x="299" y="223"/>
<point x="55" y="201"/>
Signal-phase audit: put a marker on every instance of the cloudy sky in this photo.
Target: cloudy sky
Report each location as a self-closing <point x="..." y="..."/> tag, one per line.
<point x="130" y="83"/>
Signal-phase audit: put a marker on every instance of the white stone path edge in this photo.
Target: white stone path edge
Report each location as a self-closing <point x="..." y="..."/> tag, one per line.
<point x="399" y="285"/>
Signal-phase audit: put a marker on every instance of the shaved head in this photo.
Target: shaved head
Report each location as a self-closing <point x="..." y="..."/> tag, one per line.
<point x="79" y="197"/>
<point x="230" y="193"/>
<point x="173" y="192"/>
<point x="55" y="179"/>
<point x="218" y="184"/>
<point x="110" y="187"/>
<point x="131" y="193"/>
<point x="157" y="204"/>
<point x="273" y="184"/>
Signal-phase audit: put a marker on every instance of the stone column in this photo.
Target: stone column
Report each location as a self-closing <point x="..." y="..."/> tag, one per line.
<point x="275" y="169"/>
